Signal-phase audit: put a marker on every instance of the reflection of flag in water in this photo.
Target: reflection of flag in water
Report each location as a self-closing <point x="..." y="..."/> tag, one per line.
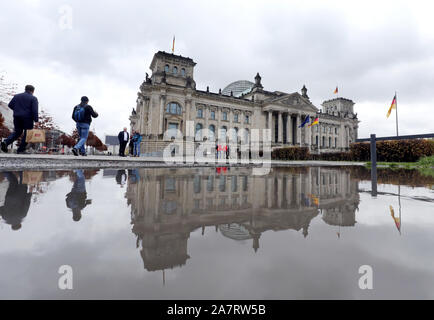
<point x="397" y="220"/>
<point x="314" y="199"/>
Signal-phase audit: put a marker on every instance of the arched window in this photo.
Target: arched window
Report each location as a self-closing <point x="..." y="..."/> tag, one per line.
<point x="173" y="108"/>
<point x="175" y="70"/>
<point x="211" y="129"/>
<point x="183" y="72"/>
<point x="223" y="132"/>
<point x="235" y="135"/>
<point x="198" y="132"/>
<point x="166" y="68"/>
<point x="246" y="135"/>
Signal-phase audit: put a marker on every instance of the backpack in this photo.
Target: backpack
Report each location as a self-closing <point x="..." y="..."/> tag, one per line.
<point x="79" y="113"/>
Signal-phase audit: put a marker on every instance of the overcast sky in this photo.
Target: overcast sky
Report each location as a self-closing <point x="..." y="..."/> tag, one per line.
<point x="370" y="49"/>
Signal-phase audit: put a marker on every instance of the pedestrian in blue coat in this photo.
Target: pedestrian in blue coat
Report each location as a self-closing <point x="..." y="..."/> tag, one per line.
<point x="25" y="107"/>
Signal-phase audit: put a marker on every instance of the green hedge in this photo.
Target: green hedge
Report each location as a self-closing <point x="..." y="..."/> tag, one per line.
<point x="388" y="151"/>
<point x="290" y="153"/>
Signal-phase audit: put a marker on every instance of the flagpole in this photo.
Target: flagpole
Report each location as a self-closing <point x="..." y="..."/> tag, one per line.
<point x="399" y="201"/>
<point x="396" y="110"/>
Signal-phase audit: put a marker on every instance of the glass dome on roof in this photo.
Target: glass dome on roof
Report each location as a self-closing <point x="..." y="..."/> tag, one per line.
<point x="238" y="88"/>
<point x="235" y="231"/>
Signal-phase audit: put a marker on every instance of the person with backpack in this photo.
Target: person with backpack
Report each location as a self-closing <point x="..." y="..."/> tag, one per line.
<point x="137" y="138"/>
<point x="82" y="115"/>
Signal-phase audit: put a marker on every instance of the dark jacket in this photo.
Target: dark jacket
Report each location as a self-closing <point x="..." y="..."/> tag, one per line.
<point x="25" y="105"/>
<point x="17" y="201"/>
<point x="88" y="114"/>
<point x="121" y="137"/>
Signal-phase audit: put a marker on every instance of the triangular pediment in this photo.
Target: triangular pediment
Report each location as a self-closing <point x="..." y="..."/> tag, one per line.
<point x="294" y="100"/>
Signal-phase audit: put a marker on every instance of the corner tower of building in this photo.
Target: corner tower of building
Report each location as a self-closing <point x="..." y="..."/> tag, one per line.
<point x="172" y="69"/>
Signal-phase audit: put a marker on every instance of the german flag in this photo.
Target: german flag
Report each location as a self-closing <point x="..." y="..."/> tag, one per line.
<point x="336" y="91"/>
<point x="314" y="122"/>
<point x="393" y="106"/>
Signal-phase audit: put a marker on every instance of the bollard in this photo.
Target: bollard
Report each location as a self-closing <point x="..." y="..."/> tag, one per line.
<point x="373" y="165"/>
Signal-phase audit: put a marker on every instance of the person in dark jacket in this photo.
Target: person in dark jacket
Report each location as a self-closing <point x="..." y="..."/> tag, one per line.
<point x="123" y="138"/>
<point x="76" y="199"/>
<point x="25" y="107"/>
<point x="17" y="201"/>
<point x="83" y="125"/>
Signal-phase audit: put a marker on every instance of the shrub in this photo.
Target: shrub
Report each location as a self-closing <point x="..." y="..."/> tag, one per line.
<point x="290" y="153"/>
<point x="394" y="150"/>
<point x="388" y="151"/>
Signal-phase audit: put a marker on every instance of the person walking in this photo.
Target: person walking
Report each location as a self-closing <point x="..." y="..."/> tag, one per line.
<point x="82" y="115"/>
<point x="137" y="138"/>
<point x="25" y="107"/>
<point x="123" y="138"/>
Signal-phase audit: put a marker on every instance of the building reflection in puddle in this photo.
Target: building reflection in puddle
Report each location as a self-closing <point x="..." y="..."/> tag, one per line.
<point x="167" y="205"/>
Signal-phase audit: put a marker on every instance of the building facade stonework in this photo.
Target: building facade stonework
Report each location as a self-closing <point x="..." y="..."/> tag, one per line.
<point x="169" y="98"/>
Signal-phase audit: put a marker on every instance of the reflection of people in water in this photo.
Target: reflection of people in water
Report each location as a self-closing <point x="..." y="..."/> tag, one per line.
<point x="16" y="202"/>
<point x="121" y="177"/>
<point x="76" y="199"/>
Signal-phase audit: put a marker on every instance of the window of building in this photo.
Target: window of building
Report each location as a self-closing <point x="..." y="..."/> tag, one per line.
<point x="173" y="108"/>
<point x="336" y="142"/>
<point x="175" y="70"/>
<point x="225" y="116"/>
<point x="234" y="184"/>
<point x="211" y="129"/>
<point x="166" y="68"/>
<point x="210" y="184"/>
<point x="336" y="130"/>
<point x="197" y="184"/>
<point x="223" y="131"/>
<point x="316" y="140"/>
<point x="212" y="115"/>
<point x="222" y="183"/>
<point x="198" y="132"/>
<point x="183" y="72"/>
<point x="200" y="113"/>
<point x="173" y="130"/>
<point x="235" y="117"/>
<point x="246" y="119"/>
<point x="246" y="135"/>
<point x="170" y="185"/>
<point x="330" y="141"/>
<point x="323" y="141"/>
<point x="235" y="134"/>
<point x="245" y="183"/>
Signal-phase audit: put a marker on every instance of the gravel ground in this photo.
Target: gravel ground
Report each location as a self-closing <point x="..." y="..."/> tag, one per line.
<point x="15" y="162"/>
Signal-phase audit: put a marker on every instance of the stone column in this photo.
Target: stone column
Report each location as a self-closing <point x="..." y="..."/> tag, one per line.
<point x="162" y="103"/>
<point x="289" y="129"/>
<point x="270" y="119"/>
<point x="308" y="133"/>
<point x="269" y="191"/>
<point x="298" y="129"/>
<point x="280" y="128"/>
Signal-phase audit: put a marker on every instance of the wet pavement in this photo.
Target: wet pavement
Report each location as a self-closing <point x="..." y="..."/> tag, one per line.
<point x="216" y="233"/>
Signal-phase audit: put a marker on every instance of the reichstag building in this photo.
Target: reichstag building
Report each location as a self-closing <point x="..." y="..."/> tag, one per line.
<point x="169" y="98"/>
